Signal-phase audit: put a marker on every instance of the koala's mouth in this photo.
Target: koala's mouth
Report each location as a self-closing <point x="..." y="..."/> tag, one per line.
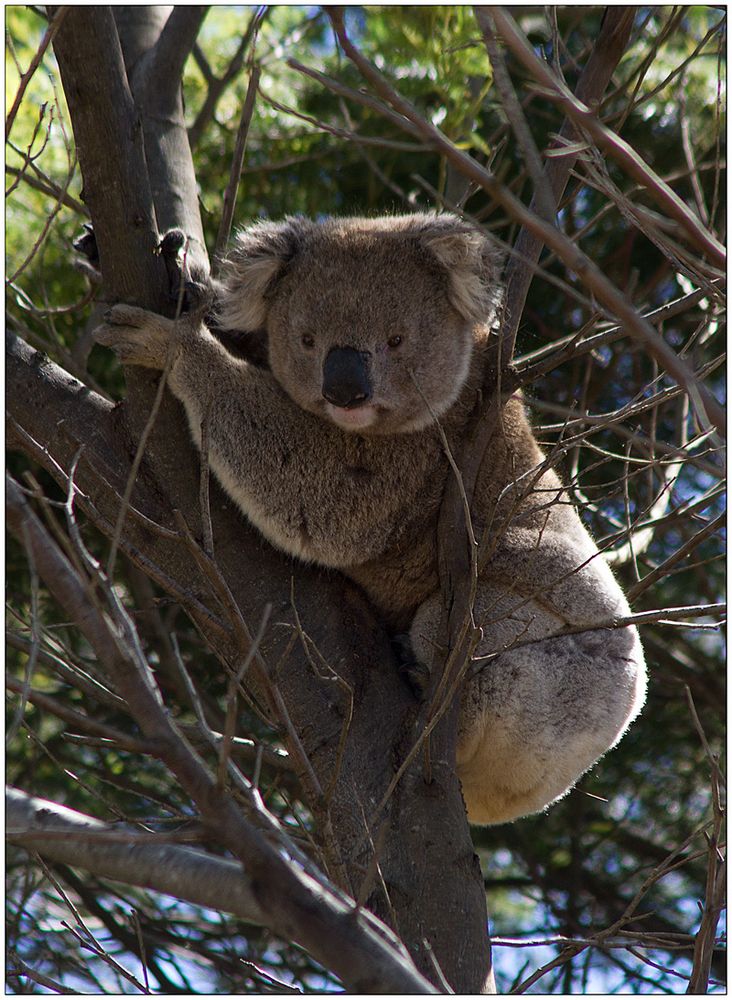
<point x="356" y="418"/>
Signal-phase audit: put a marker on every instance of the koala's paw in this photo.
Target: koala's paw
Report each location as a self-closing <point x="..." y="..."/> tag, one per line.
<point x="416" y="674"/>
<point x="136" y="336"/>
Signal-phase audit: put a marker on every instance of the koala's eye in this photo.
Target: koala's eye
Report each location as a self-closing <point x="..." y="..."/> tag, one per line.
<point x="307" y="340"/>
<point x="394" y="341"/>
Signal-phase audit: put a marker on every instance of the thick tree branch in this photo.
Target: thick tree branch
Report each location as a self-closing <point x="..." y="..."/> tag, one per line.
<point x="115" y="161"/>
<point x="294" y="904"/>
<point x="155" y="47"/>
<point x="110" y="851"/>
<point x="111" y="155"/>
<point x="173" y="48"/>
<point x="425" y="873"/>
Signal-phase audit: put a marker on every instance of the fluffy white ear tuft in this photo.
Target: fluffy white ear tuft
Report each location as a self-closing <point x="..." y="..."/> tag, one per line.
<point x="473" y="267"/>
<point x="258" y="257"/>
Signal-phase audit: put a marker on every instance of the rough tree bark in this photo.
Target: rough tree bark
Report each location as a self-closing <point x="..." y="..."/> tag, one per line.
<point x="435" y="900"/>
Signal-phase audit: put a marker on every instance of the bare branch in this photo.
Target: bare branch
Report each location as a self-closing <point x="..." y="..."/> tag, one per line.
<point x="21" y="969"/>
<point x="26" y="77"/>
<point x="173" y="47"/>
<point x="192" y="875"/>
<point x="402" y="121"/>
<point x="716" y="882"/>
<point x="237" y="163"/>
<point x="74" y="718"/>
<point x="49" y="187"/>
<point x="544" y="201"/>
<point x="606" y="53"/>
<point x="670" y="862"/>
<point x="660" y="571"/>
<point x="609" y="141"/>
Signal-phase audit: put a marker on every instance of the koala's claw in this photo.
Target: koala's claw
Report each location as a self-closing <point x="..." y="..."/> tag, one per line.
<point x="416" y="674"/>
<point x="86" y="245"/>
<point x="136" y="336"/>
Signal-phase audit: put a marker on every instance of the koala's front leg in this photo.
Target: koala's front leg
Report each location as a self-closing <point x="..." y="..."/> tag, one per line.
<point x="136" y="336"/>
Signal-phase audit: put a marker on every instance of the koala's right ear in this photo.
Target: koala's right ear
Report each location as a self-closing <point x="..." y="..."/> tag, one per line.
<point x="250" y="269"/>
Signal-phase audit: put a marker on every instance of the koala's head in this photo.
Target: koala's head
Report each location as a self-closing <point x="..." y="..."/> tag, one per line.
<point x="370" y="322"/>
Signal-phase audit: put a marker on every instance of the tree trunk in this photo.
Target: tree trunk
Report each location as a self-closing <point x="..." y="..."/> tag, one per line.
<point x="427" y="882"/>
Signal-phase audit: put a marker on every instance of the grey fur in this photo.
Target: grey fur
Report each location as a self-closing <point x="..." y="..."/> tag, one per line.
<point x="360" y="489"/>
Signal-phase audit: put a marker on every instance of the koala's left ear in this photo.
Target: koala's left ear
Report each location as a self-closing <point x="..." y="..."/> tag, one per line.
<point x="250" y="270"/>
<point x="473" y="265"/>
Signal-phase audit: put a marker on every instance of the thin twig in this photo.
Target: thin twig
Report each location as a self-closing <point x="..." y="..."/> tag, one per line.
<point x="544" y="196"/>
<point x="714" y="896"/>
<point x="232" y="700"/>
<point x="204" y="498"/>
<point x="663" y="616"/>
<point x="660" y="571"/>
<point x="227" y="215"/>
<point x="24" y="689"/>
<point x="55" y="24"/>
<point x="20" y="968"/>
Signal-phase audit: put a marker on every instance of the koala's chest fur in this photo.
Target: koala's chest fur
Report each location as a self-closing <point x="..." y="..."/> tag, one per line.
<point x="377" y="520"/>
<point x="369" y="506"/>
<point x="371" y="501"/>
<point x="405" y="572"/>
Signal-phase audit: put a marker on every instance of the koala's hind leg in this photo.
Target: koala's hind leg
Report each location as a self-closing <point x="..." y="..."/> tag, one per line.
<point x="536" y="717"/>
<point x="137" y="337"/>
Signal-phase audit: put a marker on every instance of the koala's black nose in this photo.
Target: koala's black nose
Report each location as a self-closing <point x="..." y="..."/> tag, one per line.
<point x="346" y="377"/>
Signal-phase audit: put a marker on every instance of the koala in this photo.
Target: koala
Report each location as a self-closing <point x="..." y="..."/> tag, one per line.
<point x="378" y="333"/>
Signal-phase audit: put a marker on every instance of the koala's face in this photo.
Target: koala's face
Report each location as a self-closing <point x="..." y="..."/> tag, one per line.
<point x="364" y="323"/>
<point x="361" y="332"/>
